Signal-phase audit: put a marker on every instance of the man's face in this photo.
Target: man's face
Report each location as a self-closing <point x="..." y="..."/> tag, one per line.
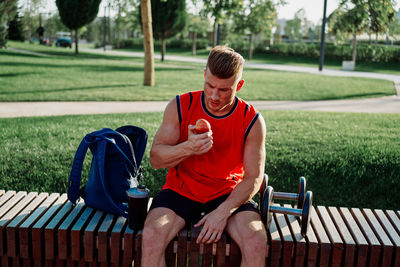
<point x="220" y="93"/>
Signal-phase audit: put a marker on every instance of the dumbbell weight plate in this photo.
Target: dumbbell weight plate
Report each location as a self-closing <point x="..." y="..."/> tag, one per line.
<point x="267" y="201"/>
<point x="305" y="217"/>
<point x="302" y="191"/>
<point x="263" y="188"/>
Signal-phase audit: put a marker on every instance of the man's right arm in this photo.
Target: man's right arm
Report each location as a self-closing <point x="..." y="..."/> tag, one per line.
<point x="166" y="152"/>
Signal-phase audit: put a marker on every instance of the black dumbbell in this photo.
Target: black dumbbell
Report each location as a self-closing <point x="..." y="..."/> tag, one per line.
<point x="300" y="196"/>
<point x="267" y="208"/>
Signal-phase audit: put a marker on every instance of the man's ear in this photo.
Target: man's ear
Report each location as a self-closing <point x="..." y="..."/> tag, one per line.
<point x="205" y="70"/>
<point x="239" y="85"/>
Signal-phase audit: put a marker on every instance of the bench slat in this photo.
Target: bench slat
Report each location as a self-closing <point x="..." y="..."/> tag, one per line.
<point x="38" y="231"/>
<point x="324" y="242"/>
<point x="362" y="244"/>
<point x="394" y="236"/>
<point x="394" y="220"/>
<point x="89" y="236"/>
<point x="2" y="192"/>
<point x="235" y="256"/>
<point x="349" y="243"/>
<point x="76" y="233"/>
<point x="116" y="240"/>
<point x="12" y="227"/>
<point x="313" y="247"/>
<point x="333" y="234"/>
<point x="207" y="255"/>
<point x="288" y="245"/>
<point x="64" y="231"/>
<point x="25" y="229"/>
<point x="138" y="249"/>
<point x="51" y="228"/>
<point x="300" y="241"/>
<point x="10" y="212"/>
<point x="194" y="247"/>
<point x="182" y="248"/>
<point x="276" y="244"/>
<point x="102" y="238"/>
<point x="374" y="245"/>
<point x="4" y="198"/>
<point x="221" y="251"/>
<point x="387" y="246"/>
<point x="170" y="255"/>
<point x="127" y="247"/>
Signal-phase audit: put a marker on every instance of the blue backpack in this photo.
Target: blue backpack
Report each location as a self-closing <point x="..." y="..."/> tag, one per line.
<point x="115" y="165"/>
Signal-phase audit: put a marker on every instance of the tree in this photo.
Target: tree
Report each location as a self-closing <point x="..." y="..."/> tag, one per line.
<point x="145" y="8"/>
<point x="169" y="18"/>
<point x="77" y="13"/>
<point x="219" y="9"/>
<point x="257" y="17"/>
<point x="381" y="14"/>
<point x="7" y="12"/>
<point x="196" y="25"/>
<point x="294" y="27"/>
<point x="15" y="29"/>
<point x="351" y="18"/>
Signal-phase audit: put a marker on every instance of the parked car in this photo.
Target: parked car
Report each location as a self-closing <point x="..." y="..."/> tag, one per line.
<point x="64" y="39"/>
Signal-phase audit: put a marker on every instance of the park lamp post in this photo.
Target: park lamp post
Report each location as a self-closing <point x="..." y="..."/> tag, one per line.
<point x="322" y="48"/>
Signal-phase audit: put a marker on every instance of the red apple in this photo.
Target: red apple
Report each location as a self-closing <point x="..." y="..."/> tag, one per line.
<point x="202" y="126"/>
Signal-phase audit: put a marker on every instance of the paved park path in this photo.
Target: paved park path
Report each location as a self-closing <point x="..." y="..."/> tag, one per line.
<point x="389" y="104"/>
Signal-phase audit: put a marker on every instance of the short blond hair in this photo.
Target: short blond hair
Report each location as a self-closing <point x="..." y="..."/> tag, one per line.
<point x="224" y="62"/>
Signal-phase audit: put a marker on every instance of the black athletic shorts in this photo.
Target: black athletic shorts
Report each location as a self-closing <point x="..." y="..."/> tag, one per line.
<point x="192" y="211"/>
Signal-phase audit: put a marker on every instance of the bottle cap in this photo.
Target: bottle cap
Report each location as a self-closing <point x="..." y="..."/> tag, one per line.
<point x="138" y="192"/>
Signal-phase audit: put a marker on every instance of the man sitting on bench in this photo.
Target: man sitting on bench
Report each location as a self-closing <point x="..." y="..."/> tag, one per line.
<point x="213" y="174"/>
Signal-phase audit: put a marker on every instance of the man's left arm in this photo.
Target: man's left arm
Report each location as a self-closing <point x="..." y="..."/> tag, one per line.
<point x="254" y="161"/>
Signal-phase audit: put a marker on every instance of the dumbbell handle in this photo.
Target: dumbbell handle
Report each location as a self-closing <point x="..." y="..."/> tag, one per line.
<point x="284" y="195"/>
<point x="284" y="210"/>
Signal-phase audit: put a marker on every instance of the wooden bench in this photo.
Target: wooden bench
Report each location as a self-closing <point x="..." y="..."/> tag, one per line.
<point x="46" y="230"/>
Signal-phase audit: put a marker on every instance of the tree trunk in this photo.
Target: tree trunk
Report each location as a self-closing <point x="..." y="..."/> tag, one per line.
<point x="376" y="40"/>
<point x="250" y="46"/>
<point x="354" y="54"/>
<point x="194" y="43"/>
<point x="214" y="37"/>
<point x="76" y="41"/>
<point x="163" y="47"/>
<point x="148" y="43"/>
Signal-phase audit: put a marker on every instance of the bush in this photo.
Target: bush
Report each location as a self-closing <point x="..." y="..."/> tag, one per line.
<point x="137" y="43"/>
<point x="201" y="43"/>
<point x="365" y="53"/>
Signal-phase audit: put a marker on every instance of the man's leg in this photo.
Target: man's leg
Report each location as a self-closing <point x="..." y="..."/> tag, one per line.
<point x="161" y="226"/>
<point x="249" y="233"/>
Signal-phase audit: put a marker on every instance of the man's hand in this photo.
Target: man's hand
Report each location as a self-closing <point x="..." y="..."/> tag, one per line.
<point x="199" y="143"/>
<point x="213" y="225"/>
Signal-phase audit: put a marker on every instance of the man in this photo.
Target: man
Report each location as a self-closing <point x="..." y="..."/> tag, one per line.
<point x="40" y="32"/>
<point x="206" y="171"/>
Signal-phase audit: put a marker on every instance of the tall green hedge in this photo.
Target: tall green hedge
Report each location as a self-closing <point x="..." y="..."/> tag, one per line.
<point x="365" y="53"/>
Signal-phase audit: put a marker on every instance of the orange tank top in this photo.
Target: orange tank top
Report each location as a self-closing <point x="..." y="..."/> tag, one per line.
<point x="206" y="177"/>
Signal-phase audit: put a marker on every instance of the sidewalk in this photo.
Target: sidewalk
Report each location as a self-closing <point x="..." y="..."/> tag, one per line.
<point x="25" y="109"/>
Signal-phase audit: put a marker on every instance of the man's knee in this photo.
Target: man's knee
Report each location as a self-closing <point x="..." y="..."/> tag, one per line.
<point x="255" y="243"/>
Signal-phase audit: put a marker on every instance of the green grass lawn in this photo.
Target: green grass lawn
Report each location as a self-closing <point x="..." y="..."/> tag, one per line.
<point x="62" y="76"/>
<point x="348" y="159"/>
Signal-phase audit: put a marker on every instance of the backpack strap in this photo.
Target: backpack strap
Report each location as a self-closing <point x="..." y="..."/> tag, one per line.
<point x="76" y="170"/>
<point x="119" y="208"/>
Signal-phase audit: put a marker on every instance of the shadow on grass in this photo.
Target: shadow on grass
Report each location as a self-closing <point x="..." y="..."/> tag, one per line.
<point x="354" y="96"/>
<point x="8" y="75"/>
<point x="93" y="67"/>
<point x="67" y="89"/>
<point x="11" y="53"/>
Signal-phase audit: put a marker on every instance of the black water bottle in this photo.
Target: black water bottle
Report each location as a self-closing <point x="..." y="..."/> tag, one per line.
<point x="138" y="201"/>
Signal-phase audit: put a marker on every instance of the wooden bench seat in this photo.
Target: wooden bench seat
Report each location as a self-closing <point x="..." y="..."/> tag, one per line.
<point x="47" y="230"/>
